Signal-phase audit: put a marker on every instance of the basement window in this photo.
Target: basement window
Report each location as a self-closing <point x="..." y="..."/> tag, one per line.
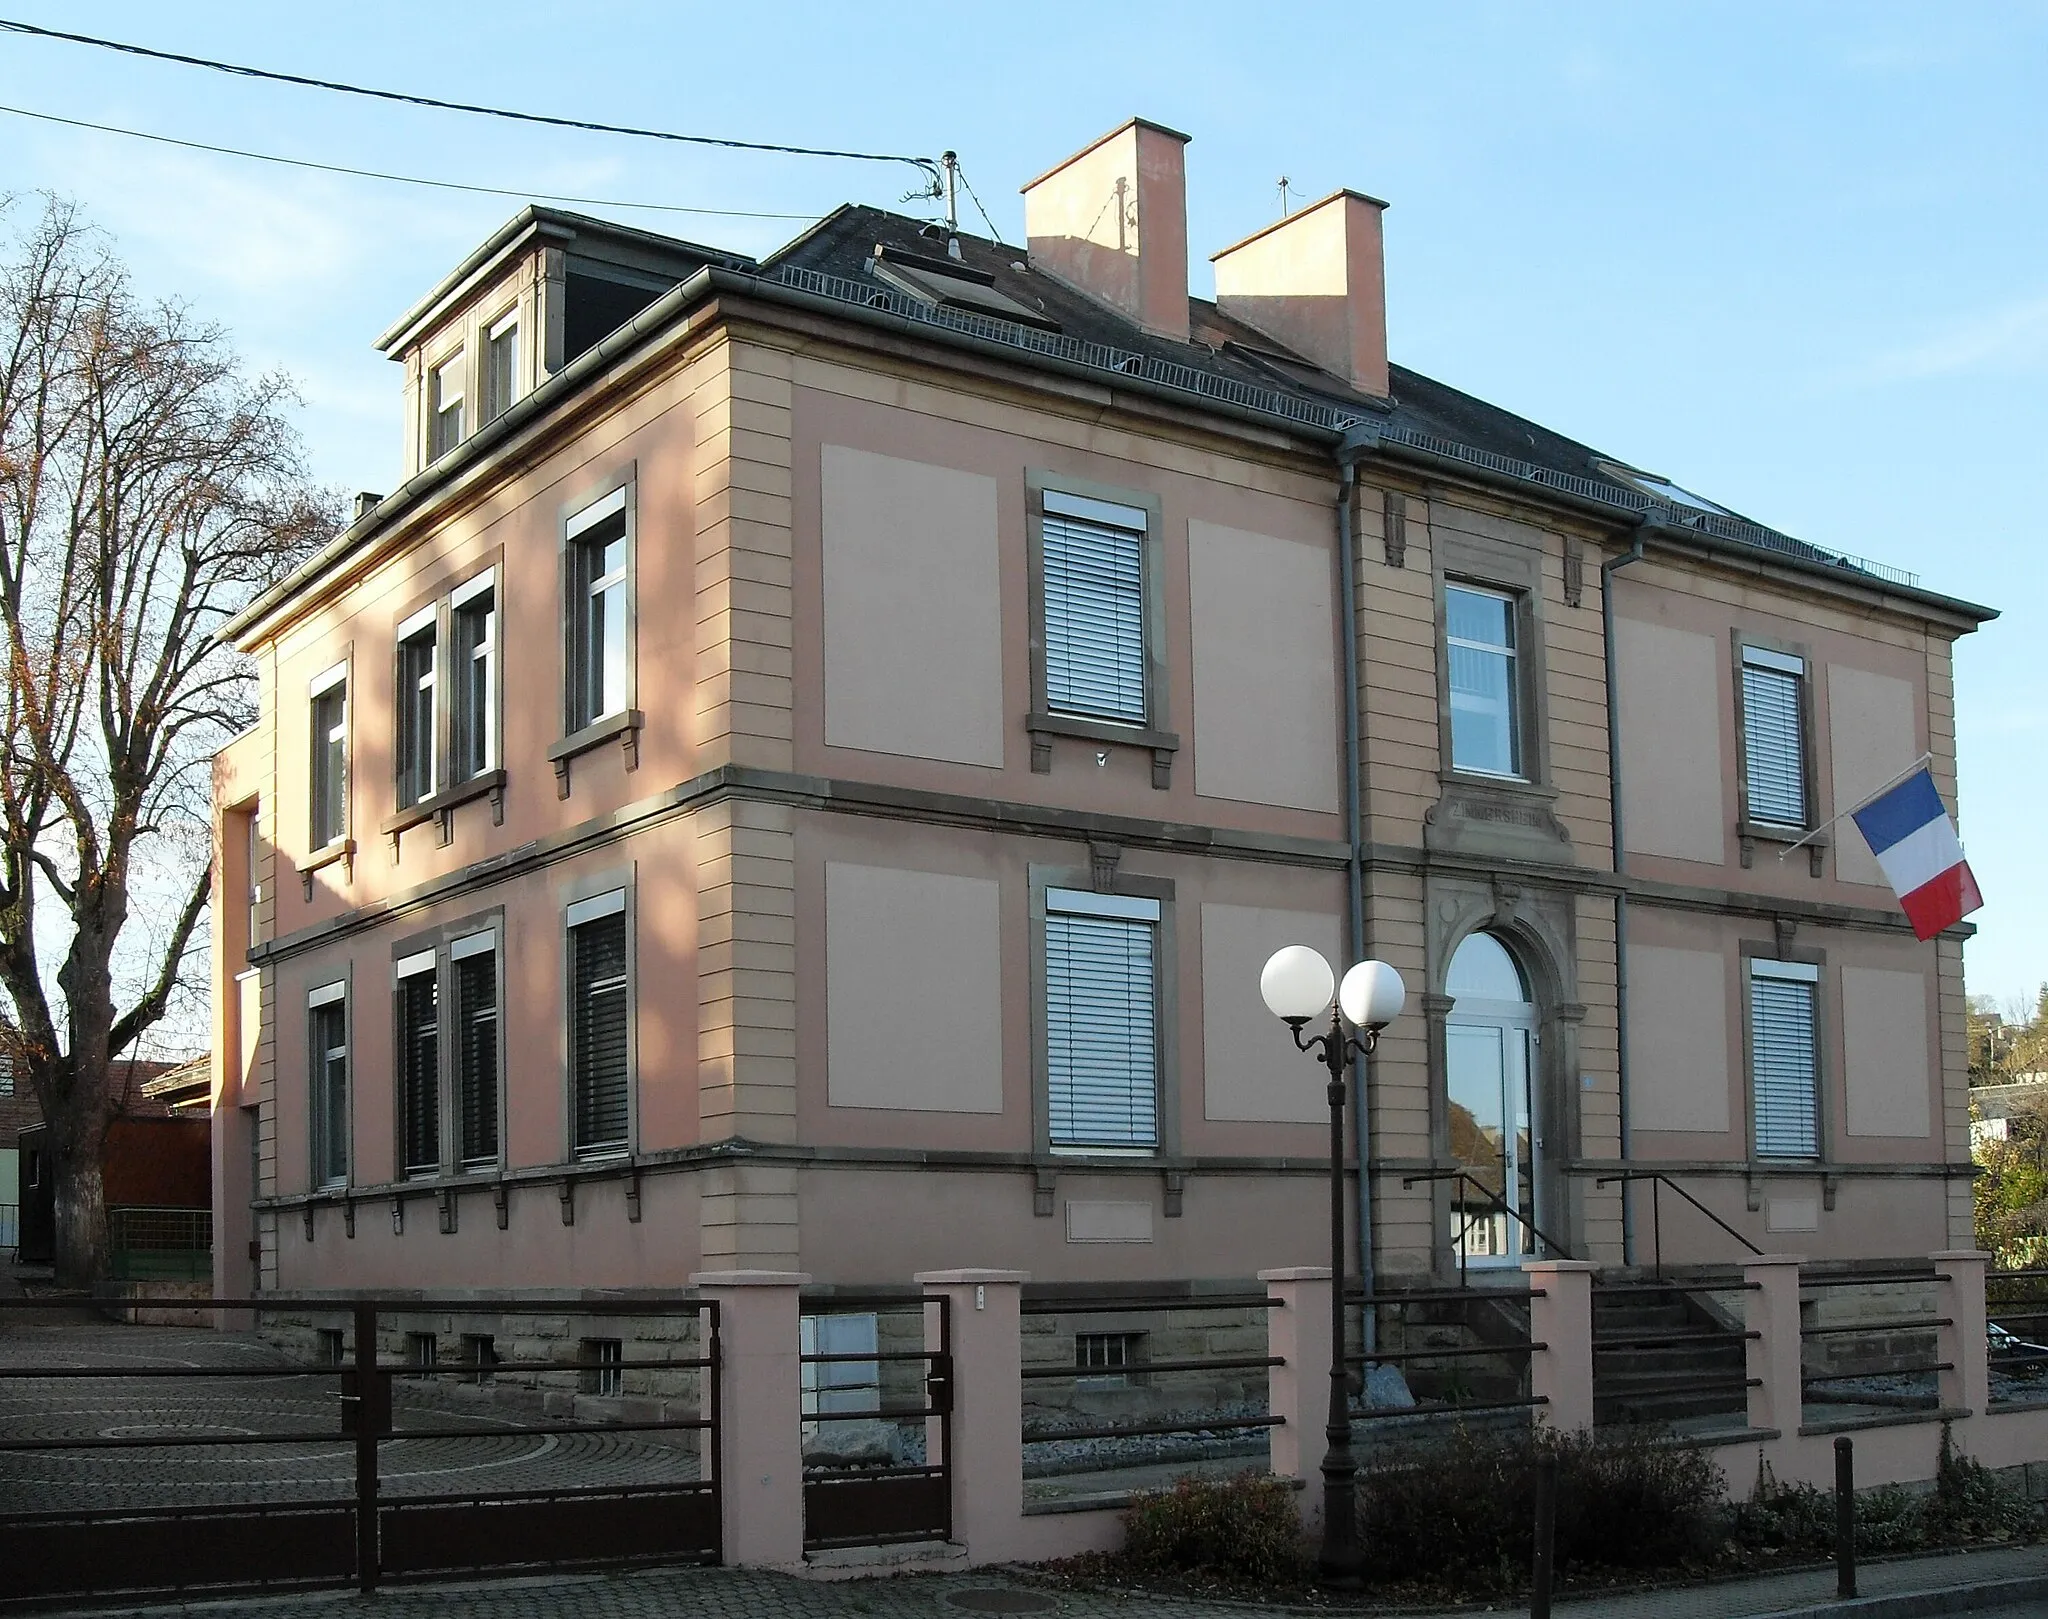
<point x="422" y="1351"/>
<point x="601" y="1358"/>
<point x="1104" y="1359"/>
<point x="479" y="1357"/>
<point x="328" y="1346"/>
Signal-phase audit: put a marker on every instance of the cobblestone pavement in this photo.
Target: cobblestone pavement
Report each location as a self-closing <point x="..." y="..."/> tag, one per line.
<point x="280" y="1396"/>
<point x="746" y="1594"/>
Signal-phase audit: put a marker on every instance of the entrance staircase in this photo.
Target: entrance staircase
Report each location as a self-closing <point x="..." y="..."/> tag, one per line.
<point x="1665" y="1353"/>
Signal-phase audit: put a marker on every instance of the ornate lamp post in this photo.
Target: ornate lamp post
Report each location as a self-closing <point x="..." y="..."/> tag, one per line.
<point x="1298" y="986"/>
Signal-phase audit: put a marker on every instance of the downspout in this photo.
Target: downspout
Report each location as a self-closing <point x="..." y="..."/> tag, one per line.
<point x="1608" y="569"/>
<point x="1358" y="442"/>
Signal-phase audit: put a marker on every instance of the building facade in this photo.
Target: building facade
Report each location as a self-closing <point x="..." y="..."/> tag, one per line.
<point x="807" y="769"/>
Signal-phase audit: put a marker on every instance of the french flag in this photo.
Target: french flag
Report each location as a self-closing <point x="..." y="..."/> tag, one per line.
<point x="1909" y="831"/>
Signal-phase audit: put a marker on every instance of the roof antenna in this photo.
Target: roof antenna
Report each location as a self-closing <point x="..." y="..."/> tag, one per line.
<point x="1284" y="184"/>
<point x="952" y="162"/>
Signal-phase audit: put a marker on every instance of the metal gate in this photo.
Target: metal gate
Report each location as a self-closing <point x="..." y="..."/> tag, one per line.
<point x="339" y="1445"/>
<point x="877" y="1422"/>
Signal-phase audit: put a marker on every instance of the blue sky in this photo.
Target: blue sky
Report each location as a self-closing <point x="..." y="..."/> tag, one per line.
<point x="1794" y="256"/>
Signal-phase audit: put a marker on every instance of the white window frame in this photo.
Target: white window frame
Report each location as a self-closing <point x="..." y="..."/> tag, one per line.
<point x="420" y="964"/>
<point x="321" y="1077"/>
<point x="317" y="688"/>
<point x="1796" y="972"/>
<point x="492" y="407"/>
<point x="579" y="913"/>
<point x="452" y="365"/>
<point x="1786" y="664"/>
<point x="1127" y="522"/>
<point x="585" y="696"/>
<point x="1125" y="908"/>
<point x="484" y="942"/>
<point x="424" y="623"/>
<point x="485" y="652"/>
<point x="1511" y="657"/>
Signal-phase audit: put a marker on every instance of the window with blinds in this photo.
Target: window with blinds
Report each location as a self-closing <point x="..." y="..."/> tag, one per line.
<point x="1784" y="1059"/>
<point x="1101" y="1021"/>
<point x="419" y="1066"/>
<point x="1094" y="589"/>
<point x="327" y="1035"/>
<point x="599" y="1071"/>
<point x="1774" y="736"/>
<point x="475" y="974"/>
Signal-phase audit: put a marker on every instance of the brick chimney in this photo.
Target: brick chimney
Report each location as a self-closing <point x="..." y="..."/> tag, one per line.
<point x="1113" y="221"/>
<point x="1316" y="281"/>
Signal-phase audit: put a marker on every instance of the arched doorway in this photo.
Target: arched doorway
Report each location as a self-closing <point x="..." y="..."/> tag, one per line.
<point x="1489" y="1055"/>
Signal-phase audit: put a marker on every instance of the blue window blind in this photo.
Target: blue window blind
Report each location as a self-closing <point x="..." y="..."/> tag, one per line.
<point x="1785" y="1059"/>
<point x="1094" y="608"/>
<point x="1101" y="1021"/>
<point x="1774" y="736"/>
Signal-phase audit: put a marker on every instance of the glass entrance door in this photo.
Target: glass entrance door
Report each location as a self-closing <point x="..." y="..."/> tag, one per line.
<point x="1488" y="1070"/>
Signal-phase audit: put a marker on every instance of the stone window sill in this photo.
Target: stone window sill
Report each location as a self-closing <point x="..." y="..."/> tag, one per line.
<point x="1044" y="727"/>
<point x="1748" y="834"/>
<point x="342" y="851"/>
<point x="443" y="804"/>
<point x="623" y="727"/>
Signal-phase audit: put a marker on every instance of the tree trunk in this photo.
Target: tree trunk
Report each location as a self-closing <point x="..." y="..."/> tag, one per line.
<point x="83" y="1254"/>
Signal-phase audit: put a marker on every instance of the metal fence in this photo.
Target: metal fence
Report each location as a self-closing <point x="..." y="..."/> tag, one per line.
<point x="345" y="1442"/>
<point x="150" y="1244"/>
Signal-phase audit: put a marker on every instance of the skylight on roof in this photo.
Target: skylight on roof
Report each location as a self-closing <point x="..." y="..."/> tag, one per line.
<point x="1662" y="489"/>
<point x="951" y="285"/>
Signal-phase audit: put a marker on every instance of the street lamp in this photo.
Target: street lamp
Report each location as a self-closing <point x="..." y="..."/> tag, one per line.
<point x="1298" y="986"/>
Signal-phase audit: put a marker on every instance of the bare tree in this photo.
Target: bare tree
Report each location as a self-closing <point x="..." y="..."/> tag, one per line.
<point x="148" y="488"/>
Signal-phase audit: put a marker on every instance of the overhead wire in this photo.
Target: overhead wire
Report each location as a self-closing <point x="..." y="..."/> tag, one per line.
<point x="993" y="234"/>
<point x="928" y="165"/>
<point x="396" y="179"/>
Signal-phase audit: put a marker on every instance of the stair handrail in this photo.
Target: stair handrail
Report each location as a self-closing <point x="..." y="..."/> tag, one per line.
<point x="1493" y="1198"/>
<point x="1658" y="1179"/>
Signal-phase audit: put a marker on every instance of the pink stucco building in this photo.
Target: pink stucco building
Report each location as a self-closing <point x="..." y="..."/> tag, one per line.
<point x="806" y="769"/>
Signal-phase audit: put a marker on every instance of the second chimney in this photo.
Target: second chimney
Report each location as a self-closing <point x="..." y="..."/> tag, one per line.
<point x="1113" y="221"/>
<point x="1316" y="281"/>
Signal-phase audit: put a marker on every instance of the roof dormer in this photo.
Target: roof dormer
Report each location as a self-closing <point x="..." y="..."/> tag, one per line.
<point x="543" y="289"/>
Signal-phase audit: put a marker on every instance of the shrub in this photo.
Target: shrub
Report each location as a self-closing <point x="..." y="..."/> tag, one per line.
<point x="1246" y="1526"/>
<point x="1465" y="1509"/>
<point x="1968" y="1502"/>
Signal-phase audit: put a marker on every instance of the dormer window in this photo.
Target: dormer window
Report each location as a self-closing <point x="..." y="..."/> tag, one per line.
<point x="444" y="426"/>
<point x="949" y="284"/>
<point x="501" y="368"/>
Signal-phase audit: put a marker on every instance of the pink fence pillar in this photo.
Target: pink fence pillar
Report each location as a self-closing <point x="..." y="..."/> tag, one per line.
<point x="1962" y="1343"/>
<point x="1561" y="1320"/>
<point x="1298" y="1390"/>
<point x="987" y="1460"/>
<point x="760" y="1440"/>
<point x="1772" y="1356"/>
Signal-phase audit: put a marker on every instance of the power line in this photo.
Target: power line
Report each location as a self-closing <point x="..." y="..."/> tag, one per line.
<point x="396" y="179"/>
<point x="928" y="165"/>
<point x="995" y="235"/>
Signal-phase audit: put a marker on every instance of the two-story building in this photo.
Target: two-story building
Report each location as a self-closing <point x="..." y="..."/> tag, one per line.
<point x="805" y="771"/>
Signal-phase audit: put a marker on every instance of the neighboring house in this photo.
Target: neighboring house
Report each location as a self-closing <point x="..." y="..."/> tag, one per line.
<point x="806" y="771"/>
<point x="156" y="1177"/>
<point x="141" y="1082"/>
<point x="1992" y="1106"/>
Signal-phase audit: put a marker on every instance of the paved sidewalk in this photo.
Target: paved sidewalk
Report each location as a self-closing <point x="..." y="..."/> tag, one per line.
<point x="1960" y="1582"/>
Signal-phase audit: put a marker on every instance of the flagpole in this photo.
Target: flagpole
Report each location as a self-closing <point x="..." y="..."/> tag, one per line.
<point x="1891" y="781"/>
